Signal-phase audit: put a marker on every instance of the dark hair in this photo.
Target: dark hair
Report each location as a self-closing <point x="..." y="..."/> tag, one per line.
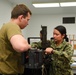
<point x="20" y="9"/>
<point x="62" y="30"/>
<point x="40" y="31"/>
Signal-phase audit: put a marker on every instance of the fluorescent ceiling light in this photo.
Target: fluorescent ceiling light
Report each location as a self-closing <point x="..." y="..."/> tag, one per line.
<point x="41" y="5"/>
<point x="67" y="4"/>
<point x="62" y="4"/>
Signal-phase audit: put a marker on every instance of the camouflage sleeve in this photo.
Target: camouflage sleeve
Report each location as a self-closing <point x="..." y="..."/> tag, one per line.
<point x="64" y="55"/>
<point x="36" y="45"/>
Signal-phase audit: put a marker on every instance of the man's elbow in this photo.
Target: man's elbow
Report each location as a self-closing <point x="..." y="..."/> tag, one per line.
<point x="22" y="48"/>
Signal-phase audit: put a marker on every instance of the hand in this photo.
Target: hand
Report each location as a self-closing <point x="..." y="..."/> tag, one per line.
<point x="48" y="50"/>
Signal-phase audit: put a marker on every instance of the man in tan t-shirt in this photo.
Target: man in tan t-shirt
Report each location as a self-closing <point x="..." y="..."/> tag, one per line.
<point x="12" y="42"/>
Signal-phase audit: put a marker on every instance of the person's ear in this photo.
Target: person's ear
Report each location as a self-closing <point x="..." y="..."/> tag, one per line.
<point x="63" y="35"/>
<point x="20" y="17"/>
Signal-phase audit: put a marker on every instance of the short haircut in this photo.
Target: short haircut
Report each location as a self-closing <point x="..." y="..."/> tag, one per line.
<point x="20" y="9"/>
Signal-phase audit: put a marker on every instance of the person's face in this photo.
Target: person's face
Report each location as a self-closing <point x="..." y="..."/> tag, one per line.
<point x="58" y="37"/>
<point x="24" y="21"/>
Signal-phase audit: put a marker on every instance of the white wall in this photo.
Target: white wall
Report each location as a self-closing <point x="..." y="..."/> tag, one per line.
<point x="50" y="21"/>
<point x="36" y="21"/>
<point x="5" y="9"/>
<point x="34" y="27"/>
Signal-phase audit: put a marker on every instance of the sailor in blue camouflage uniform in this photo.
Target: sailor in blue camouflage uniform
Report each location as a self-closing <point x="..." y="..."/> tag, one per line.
<point x="60" y="52"/>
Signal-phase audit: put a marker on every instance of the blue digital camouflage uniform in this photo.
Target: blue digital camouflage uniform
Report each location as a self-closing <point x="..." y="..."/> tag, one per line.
<point x="61" y="58"/>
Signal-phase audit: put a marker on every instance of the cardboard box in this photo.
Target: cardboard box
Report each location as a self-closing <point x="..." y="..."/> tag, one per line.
<point x="74" y="46"/>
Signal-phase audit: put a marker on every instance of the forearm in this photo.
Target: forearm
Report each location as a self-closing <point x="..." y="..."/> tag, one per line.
<point x="61" y="55"/>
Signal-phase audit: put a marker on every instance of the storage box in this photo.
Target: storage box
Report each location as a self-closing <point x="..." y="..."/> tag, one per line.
<point x="75" y="46"/>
